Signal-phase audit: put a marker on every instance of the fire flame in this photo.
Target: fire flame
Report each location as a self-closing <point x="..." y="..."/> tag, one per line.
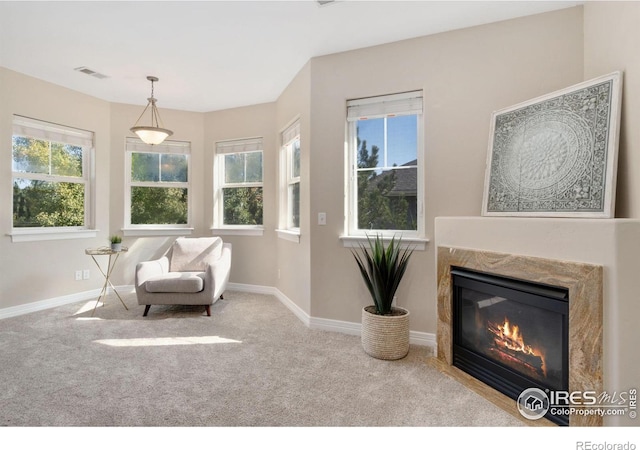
<point x="515" y="340"/>
<point x="508" y="337"/>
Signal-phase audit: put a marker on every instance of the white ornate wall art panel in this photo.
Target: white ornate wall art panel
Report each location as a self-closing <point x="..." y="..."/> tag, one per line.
<point x="556" y="155"/>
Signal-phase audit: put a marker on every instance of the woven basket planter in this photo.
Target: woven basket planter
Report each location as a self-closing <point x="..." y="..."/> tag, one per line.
<point x="385" y="337"/>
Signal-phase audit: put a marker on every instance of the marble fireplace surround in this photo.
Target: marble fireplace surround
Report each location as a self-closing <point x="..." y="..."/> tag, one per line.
<point x="584" y="282"/>
<point x="612" y="244"/>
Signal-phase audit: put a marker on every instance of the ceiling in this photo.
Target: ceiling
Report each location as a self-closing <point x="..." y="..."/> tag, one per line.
<point x="212" y="55"/>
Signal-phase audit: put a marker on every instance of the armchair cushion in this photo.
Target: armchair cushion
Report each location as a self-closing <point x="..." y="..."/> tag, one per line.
<point x="194" y="254"/>
<point x="187" y="282"/>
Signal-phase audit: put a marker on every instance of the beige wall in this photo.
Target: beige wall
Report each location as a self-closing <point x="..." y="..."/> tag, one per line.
<point x="465" y="75"/>
<point x="253" y="256"/>
<point x="294" y="258"/>
<point x="611" y="37"/>
<point x="34" y="271"/>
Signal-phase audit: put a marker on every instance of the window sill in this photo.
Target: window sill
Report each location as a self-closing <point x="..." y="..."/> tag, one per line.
<point x="289" y="235"/>
<point x="157" y="231"/>
<point x="238" y="231"/>
<point x="407" y="242"/>
<point x="50" y="235"/>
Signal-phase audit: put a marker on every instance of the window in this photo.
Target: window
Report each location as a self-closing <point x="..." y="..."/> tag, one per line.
<point x="290" y="179"/>
<point x="238" y="197"/>
<point x="384" y="182"/>
<point x="52" y="178"/>
<point x="157" y="191"/>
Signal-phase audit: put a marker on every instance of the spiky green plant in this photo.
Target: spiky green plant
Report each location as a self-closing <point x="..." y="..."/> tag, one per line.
<point x="115" y="239"/>
<point x="382" y="268"/>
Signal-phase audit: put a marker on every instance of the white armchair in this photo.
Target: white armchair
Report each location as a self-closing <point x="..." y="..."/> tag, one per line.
<point x="194" y="271"/>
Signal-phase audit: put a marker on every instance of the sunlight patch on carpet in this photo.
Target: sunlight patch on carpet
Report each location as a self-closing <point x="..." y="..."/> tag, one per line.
<point x="90" y="305"/>
<point x="153" y="342"/>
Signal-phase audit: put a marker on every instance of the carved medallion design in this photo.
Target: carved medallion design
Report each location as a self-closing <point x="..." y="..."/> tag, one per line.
<point x="552" y="155"/>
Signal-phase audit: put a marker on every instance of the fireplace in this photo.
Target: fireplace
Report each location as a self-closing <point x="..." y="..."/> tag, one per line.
<point x="574" y="292"/>
<point x="511" y="334"/>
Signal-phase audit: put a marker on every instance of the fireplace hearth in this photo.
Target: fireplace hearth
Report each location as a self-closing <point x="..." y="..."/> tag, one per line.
<point x="511" y="334"/>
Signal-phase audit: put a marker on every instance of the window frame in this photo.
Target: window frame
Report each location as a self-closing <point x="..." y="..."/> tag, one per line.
<point x="228" y="147"/>
<point x="171" y="147"/>
<point x="288" y="137"/>
<point x="384" y="106"/>
<point x="61" y="134"/>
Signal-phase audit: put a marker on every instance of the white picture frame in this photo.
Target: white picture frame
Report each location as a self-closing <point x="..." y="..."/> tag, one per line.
<point x="556" y="155"/>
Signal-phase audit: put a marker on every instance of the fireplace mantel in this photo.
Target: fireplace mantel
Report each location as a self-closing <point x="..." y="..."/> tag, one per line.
<point x="611" y="244"/>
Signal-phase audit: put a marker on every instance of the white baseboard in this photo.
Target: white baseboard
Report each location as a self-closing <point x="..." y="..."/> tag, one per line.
<point x="415" y="337"/>
<point x="27" y="308"/>
<point x="424" y="339"/>
<point x="317" y="323"/>
<point x="339" y="326"/>
<point x="257" y="289"/>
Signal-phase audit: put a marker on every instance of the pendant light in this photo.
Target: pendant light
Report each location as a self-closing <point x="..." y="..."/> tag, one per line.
<point x="155" y="133"/>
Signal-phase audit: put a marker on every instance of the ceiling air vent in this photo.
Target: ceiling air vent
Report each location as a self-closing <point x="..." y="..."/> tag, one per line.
<point x="90" y="72"/>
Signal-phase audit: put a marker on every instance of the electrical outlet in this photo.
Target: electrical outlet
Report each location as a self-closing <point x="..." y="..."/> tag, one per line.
<point x="86" y="274"/>
<point x="322" y="218"/>
<point x="78" y="275"/>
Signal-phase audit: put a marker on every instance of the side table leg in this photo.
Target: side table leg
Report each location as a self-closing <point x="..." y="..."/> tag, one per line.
<point x="103" y="291"/>
<point x="110" y="269"/>
<point x="111" y="263"/>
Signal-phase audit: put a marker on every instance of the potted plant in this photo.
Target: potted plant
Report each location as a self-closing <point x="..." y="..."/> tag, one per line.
<point x="385" y="327"/>
<point x="116" y="243"/>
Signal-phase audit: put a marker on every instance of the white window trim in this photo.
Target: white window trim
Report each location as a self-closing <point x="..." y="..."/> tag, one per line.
<point x="407" y="242"/>
<point x="55" y="233"/>
<point x="47" y="131"/>
<point x="288" y="135"/>
<point x="289" y="235"/>
<point x="409" y="103"/>
<point x="157" y="230"/>
<point x="246" y="145"/>
<point x="238" y="230"/>
<point x="134" y="145"/>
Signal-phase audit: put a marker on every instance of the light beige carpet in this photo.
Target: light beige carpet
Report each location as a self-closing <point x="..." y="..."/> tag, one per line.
<point x="252" y="363"/>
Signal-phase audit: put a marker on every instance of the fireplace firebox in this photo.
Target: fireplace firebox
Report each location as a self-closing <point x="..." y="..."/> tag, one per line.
<point x="511" y="334"/>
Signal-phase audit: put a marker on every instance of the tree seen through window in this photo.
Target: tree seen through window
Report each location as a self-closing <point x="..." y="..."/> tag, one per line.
<point x="48" y="184"/>
<point x="158" y="192"/>
<point x="387" y="173"/>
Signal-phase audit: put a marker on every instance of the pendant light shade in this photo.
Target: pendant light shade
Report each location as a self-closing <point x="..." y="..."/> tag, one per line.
<point x="154" y="133"/>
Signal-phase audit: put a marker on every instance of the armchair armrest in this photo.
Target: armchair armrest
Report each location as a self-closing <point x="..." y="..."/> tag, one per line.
<point x="217" y="272"/>
<point x="148" y="269"/>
